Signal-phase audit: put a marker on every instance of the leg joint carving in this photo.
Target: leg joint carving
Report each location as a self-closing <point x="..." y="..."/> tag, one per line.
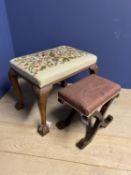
<point x="93" y="69"/>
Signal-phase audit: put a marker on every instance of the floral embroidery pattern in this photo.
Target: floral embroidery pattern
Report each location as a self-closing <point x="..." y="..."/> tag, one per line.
<point x="36" y="62"/>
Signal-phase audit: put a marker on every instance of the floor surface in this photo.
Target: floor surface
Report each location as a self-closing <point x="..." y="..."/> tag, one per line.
<point x="24" y="152"/>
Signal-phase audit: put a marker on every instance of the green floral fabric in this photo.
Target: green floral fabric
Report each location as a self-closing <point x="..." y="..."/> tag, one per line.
<point x="36" y="62"/>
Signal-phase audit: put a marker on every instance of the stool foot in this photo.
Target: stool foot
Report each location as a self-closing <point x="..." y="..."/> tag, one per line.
<point x="19" y="105"/>
<point x="106" y="121"/>
<point x="43" y="130"/>
<point x="64" y="123"/>
<point x="82" y="143"/>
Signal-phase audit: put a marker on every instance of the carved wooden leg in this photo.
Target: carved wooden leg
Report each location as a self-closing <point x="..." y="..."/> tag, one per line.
<point x="91" y="130"/>
<point x="14" y="80"/>
<point x="93" y="69"/>
<point x="42" y="96"/>
<point x="107" y="120"/>
<point x="100" y="122"/>
<point x="64" y="123"/>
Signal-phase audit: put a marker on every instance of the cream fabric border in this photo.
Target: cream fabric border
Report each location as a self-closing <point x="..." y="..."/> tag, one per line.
<point x="58" y="72"/>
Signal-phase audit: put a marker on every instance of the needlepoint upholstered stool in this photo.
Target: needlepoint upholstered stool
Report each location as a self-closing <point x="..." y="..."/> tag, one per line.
<point x="85" y="96"/>
<point x="45" y="68"/>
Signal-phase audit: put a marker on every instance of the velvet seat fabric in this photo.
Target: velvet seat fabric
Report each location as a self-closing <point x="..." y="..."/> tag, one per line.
<point x="89" y="93"/>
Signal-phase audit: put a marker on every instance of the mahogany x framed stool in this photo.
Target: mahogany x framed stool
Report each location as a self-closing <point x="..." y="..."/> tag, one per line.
<point x="86" y="96"/>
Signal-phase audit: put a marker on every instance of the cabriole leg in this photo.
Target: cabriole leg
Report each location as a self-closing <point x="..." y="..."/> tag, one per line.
<point x="42" y="96"/>
<point x="13" y="76"/>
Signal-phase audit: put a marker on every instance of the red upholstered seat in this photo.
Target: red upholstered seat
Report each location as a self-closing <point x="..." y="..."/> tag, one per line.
<point x="89" y="93"/>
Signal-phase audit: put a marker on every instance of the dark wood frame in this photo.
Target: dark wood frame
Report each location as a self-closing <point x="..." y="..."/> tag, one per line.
<point x="91" y="127"/>
<point x="100" y="122"/>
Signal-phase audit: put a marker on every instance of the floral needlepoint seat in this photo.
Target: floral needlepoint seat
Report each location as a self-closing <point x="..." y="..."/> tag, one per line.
<point x="54" y="63"/>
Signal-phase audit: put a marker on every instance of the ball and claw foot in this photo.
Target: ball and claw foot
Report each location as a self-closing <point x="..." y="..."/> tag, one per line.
<point x="19" y="106"/>
<point x="43" y="129"/>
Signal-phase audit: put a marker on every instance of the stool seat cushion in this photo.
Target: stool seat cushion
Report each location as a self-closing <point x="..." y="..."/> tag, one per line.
<point x="89" y="93"/>
<point x="43" y="68"/>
